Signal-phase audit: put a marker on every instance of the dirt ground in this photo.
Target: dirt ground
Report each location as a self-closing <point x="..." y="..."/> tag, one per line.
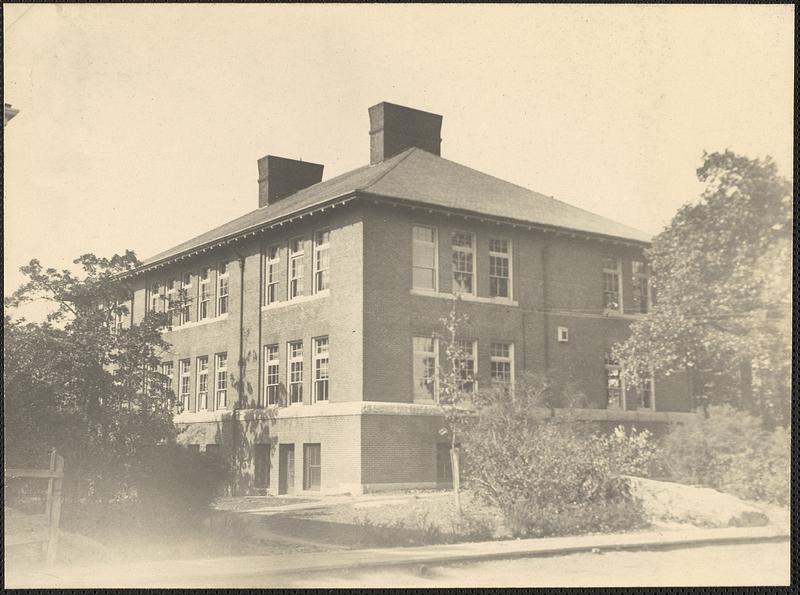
<point x="728" y="565"/>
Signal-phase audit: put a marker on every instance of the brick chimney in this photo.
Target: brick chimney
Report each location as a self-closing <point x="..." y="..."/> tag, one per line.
<point x="279" y="177"/>
<point x="395" y="128"/>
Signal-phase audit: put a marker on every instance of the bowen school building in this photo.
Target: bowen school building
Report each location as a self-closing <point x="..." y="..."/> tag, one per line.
<point x="306" y="350"/>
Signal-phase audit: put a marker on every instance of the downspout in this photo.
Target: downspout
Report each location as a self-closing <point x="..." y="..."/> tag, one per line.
<point x="545" y="315"/>
<point x="240" y="389"/>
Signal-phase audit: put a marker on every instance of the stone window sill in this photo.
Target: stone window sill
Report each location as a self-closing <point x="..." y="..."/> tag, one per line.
<point x="496" y="301"/>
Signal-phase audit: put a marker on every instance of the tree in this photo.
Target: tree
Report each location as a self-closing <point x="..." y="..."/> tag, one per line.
<point x="455" y="382"/>
<point x="721" y="272"/>
<point x="80" y="382"/>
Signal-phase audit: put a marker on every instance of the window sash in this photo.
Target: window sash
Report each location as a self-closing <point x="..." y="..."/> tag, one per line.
<point x="424" y="263"/>
<point x="295" y="372"/>
<point x="272" y="274"/>
<point x="321" y="369"/>
<point x="271" y="377"/>
<point x="185" y="382"/>
<point x="501" y="362"/>
<point x="425" y="367"/>
<point x="222" y="380"/>
<point x="612" y="289"/>
<point x="202" y="383"/>
<point x="463" y="247"/>
<point x="321" y="261"/>
<point x="222" y="290"/>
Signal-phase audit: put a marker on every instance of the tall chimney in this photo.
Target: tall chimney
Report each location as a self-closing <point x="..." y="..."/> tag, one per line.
<point x="395" y="128"/>
<point x="279" y="177"/>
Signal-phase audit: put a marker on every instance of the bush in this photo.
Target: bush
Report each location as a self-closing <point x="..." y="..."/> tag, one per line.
<point x="731" y="451"/>
<point x="173" y="483"/>
<point x="577" y="519"/>
<point x="633" y="453"/>
<point x="532" y="468"/>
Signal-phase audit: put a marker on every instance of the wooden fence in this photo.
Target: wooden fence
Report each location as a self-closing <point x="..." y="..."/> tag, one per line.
<point x="39" y="528"/>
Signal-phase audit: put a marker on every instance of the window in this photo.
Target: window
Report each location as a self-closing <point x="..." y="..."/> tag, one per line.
<point x="204" y="294"/>
<point x="463" y="245"/>
<point x="222" y="288"/>
<point x="465" y="364"/>
<point x="424" y="257"/>
<point x="186" y="308"/>
<point x="312" y="466"/>
<point x="272" y="376"/>
<point x="202" y="382"/>
<point x="321" y="260"/>
<point x="185" y="382"/>
<point x="425" y="366"/>
<point x="166" y="373"/>
<point x="221" y="370"/>
<point x="646" y="393"/>
<point x="612" y="290"/>
<point x="321" y="369"/>
<point x="172" y="299"/>
<point x="295" y="372"/>
<point x="272" y="272"/>
<point x="641" y="286"/>
<point x="261" y="474"/>
<point x="615" y="387"/>
<point x="295" y="268"/>
<point x="499" y="268"/>
<point x="502" y="362"/>
<point x="155" y="295"/>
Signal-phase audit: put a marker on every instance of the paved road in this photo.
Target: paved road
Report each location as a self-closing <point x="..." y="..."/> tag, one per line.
<point x="742" y="564"/>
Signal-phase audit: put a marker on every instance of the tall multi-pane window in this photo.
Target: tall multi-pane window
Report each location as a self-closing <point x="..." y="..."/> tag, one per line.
<point x="202" y="382"/>
<point x="499" y="268"/>
<point x="424" y="256"/>
<point x="295" y="357"/>
<point x="272" y="376"/>
<point x="186" y="306"/>
<point x="203" y="294"/>
<point x="166" y="373"/>
<point x="646" y="393"/>
<point x="466" y="354"/>
<point x="612" y="279"/>
<point x="295" y="268"/>
<point x="321" y="369"/>
<point x="425" y="365"/>
<point x="615" y="388"/>
<point x="221" y="372"/>
<point x="502" y="362"/>
<point x="172" y="299"/>
<point x="271" y="276"/>
<point x="321" y="260"/>
<point x="463" y="245"/>
<point x="312" y="466"/>
<point x="184" y="366"/>
<point x="155" y="296"/>
<point x="641" y="286"/>
<point x="222" y="288"/>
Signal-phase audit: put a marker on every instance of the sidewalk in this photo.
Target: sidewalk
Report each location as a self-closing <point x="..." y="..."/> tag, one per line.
<point x="260" y="569"/>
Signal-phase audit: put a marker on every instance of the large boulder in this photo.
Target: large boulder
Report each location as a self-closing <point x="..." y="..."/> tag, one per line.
<point x="704" y="507"/>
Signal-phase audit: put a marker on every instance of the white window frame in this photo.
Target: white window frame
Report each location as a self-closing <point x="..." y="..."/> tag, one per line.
<point x="185" y="387"/>
<point x="644" y="273"/>
<point x="468" y="251"/>
<point x="319" y="248"/>
<point x="155" y="294"/>
<point x="508" y="256"/>
<point x="295" y="282"/>
<point x="509" y="359"/>
<point x="415" y="352"/>
<point x="271" y="398"/>
<point x="221" y="380"/>
<point x="652" y="378"/>
<point x="172" y="289"/>
<point x="623" y="400"/>
<point x="223" y="284"/>
<point x="292" y="361"/>
<point x="204" y="294"/>
<point x="272" y="275"/>
<point x="615" y="271"/>
<point x="473" y="357"/>
<point x="414" y="242"/>
<point x="185" y="315"/>
<point x="319" y="358"/>
<point x="202" y="376"/>
<point x="167" y="369"/>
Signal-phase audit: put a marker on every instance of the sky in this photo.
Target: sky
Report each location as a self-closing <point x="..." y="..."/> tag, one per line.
<point x="140" y="125"/>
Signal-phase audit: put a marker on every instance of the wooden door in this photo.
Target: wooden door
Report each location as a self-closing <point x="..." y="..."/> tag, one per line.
<point x="286" y="469"/>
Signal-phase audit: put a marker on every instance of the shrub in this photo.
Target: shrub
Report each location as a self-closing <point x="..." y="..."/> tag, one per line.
<point x="596" y="517"/>
<point x="633" y="453"/>
<point x="731" y="451"/>
<point x="174" y="483"/>
<point x="523" y="463"/>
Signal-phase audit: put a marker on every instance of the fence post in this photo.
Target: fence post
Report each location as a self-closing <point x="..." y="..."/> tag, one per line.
<point x="54" y="496"/>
